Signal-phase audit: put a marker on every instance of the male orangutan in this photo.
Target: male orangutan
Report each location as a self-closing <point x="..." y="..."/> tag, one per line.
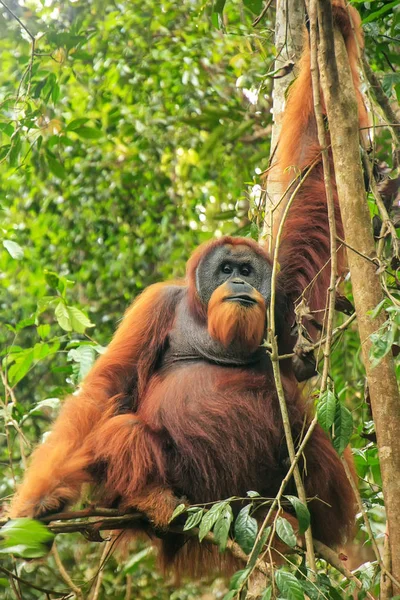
<point x="183" y="402"/>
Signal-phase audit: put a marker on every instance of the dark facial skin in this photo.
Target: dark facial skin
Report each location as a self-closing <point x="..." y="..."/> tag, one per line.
<point x="238" y="266"/>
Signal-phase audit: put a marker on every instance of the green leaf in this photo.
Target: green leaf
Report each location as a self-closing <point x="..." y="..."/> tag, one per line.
<point x="89" y="133"/>
<point x="26" y="538"/>
<point x="382" y="342"/>
<point x="75" y="124"/>
<point x="181" y="508"/>
<point x="193" y="519"/>
<point x="79" y="321"/>
<point x="14" y="249"/>
<point x="25" y="323"/>
<point x="71" y="318"/>
<point x="252" y="494"/>
<point x="56" y="167"/>
<point x="302" y="513"/>
<point x="342" y="427"/>
<point x="134" y="562"/>
<point x="238" y="578"/>
<point x="285" y="531"/>
<point x="20" y="368"/>
<point x="229" y="596"/>
<point x="43" y="330"/>
<point x="16" y="148"/>
<point x="288" y="585"/>
<point x="257" y="548"/>
<point x="217" y="16"/>
<point x="222" y="527"/>
<point x="254" y="5"/>
<point x="267" y="594"/>
<point x="381" y="11"/>
<point x="326" y="410"/>
<point x="7" y="128"/>
<point x="246" y="528"/>
<point x="63" y="317"/>
<point x="210" y="518"/>
<point x="84" y="356"/>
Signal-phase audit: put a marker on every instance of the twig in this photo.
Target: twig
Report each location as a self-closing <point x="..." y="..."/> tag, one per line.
<point x="278" y="381"/>
<point x="28" y="583"/>
<point x="63" y="572"/>
<point x="317" y="344"/>
<point x="262" y="13"/>
<point x="14" y="16"/>
<point x="99" y="578"/>
<point x="322" y="139"/>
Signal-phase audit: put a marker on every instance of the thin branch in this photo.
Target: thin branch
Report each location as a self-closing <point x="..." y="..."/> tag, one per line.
<point x="262" y="13"/>
<point x="14" y="16"/>
<point x="29" y="584"/>
<point x="63" y="572"/>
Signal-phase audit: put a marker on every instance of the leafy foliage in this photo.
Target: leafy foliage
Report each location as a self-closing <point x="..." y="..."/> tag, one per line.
<point x="134" y="131"/>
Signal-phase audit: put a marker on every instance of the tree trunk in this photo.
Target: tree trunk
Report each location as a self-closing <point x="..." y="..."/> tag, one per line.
<point x="341" y="106"/>
<point x="289" y="27"/>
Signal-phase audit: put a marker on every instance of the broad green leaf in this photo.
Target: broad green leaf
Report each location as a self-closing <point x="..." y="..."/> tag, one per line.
<point x="7" y="128"/>
<point x="238" y="578"/>
<point x="25" y="323"/>
<point x="285" y="531"/>
<point x="326" y="410"/>
<point x="381" y="11"/>
<point x="267" y="594"/>
<point x="43" y="330"/>
<point x="288" y="585"/>
<point x="210" y="519"/>
<point x="63" y="317"/>
<point x="16" y="148"/>
<point x="257" y="548"/>
<point x="26" y="538"/>
<point x="76" y="123"/>
<point x="181" y="508"/>
<point x="302" y="513"/>
<point x="135" y="561"/>
<point x="14" y="249"/>
<point x="217" y="18"/>
<point x="89" y="133"/>
<point x="71" y="318"/>
<point x="79" y="321"/>
<point x="56" y="167"/>
<point x="382" y="342"/>
<point x="84" y="356"/>
<point x="20" y="368"/>
<point x="342" y="427"/>
<point x="378" y="309"/>
<point x="246" y="528"/>
<point x="193" y="519"/>
<point x="229" y="596"/>
<point x="254" y="5"/>
<point x="222" y="527"/>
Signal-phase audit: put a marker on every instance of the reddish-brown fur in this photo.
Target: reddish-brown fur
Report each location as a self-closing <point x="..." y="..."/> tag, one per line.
<point x="151" y="424"/>
<point x="227" y="322"/>
<point x="305" y="250"/>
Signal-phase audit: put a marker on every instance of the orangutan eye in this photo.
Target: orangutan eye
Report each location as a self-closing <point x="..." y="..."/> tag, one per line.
<point x="226" y="269"/>
<point x="245" y="271"/>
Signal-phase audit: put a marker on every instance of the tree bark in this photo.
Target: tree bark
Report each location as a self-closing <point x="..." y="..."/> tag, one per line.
<point x="289" y="28"/>
<point x="341" y="106"/>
